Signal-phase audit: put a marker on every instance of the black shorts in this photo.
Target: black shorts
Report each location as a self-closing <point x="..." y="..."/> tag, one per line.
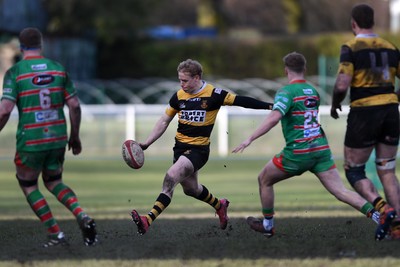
<point x="371" y="125"/>
<point x="198" y="155"/>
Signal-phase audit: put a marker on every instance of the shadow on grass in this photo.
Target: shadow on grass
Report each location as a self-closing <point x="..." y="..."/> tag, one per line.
<point x="201" y="239"/>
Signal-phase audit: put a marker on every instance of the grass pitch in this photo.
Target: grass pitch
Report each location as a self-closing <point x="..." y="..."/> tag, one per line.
<point x="313" y="228"/>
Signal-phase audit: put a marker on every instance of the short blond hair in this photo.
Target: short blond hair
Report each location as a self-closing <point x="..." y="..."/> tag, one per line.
<point x="193" y="67"/>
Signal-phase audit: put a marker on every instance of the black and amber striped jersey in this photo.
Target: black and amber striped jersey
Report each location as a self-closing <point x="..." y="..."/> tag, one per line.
<point x="197" y="113"/>
<point x="373" y="63"/>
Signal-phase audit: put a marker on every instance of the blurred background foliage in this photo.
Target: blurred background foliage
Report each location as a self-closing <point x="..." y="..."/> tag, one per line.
<point x="251" y="36"/>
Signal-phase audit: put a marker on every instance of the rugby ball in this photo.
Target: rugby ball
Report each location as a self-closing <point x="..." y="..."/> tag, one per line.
<point x="133" y="154"/>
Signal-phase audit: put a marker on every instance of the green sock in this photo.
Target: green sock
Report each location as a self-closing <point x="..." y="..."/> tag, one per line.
<point x="40" y="207"/>
<point x="367" y="208"/>
<point x="268" y="212"/>
<point x="67" y="197"/>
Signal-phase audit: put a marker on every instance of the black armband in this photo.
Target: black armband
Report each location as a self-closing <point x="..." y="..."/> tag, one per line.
<point x="249" y="102"/>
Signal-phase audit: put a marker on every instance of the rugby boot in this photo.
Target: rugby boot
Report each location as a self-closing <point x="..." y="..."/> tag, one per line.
<point x="386" y="218"/>
<point x="141" y="222"/>
<point x="58" y="240"/>
<point x="222" y="213"/>
<point x="395" y="230"/>
<point x="374" y="216"/>
<point x="88" y="228"/>
<point x="258" y="226"/>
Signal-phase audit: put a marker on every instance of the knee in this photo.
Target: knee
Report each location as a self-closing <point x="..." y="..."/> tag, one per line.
<point x="263" y="180"/>
<point x="51" y="181"/>
<point x="355" y="173"/>
<point x="27" y="186"/>
<point x="26" y="183"/>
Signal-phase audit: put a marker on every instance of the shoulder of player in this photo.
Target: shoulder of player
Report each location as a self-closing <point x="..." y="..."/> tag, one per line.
<point x="286" y="89"/>
<point x="294" y="90"/>
<point x="42" y="64"/>
<point x="56" y="64"/>
<point x="376" y="41"/>
<point x="218" y="90"/>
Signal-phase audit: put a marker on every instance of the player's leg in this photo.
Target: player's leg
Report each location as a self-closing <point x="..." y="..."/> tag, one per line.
<point x="28" y="171"/>
<point x="331" y="180"/>
<point x="181" y="169"/>
<point x="386" y="166"/>
<point x="270" y="174"/>
<point x="354" y="166"/>
<point x="66" y="196"/>
<point x="333" y="183"/>
<point x="359" y="143"/>
<point x="355" y="159"/>
<point x="191" y="187"/>
<point x="52" y="178"/>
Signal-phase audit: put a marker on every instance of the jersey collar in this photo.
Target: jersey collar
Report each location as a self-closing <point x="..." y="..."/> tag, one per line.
<point x="298" y="81"/>
<point x="201" y="88"/>
<point x="33" y="57"/>
<point x="366" y="35"/>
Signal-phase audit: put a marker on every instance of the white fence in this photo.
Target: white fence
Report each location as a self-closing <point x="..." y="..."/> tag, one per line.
<point x="105" y="127"/>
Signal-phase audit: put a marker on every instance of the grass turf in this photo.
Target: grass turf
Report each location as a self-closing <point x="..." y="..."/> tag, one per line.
<point x="313" y="228"/>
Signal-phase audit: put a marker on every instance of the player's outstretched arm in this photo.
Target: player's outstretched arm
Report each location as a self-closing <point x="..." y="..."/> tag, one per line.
<point x="158" y="131"/>
<point x="249" y="102"/>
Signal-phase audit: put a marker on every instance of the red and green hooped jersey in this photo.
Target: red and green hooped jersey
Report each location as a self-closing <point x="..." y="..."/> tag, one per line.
<point x="299" y="102"/>
<point x="39" y="87"/>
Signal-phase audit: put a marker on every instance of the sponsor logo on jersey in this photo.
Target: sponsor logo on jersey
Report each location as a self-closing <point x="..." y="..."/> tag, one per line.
<point x="196" y="99"/>
<point x="311" y="132"/>
<point x="310" y="103"/>
<point x="42" y="80"/>
<point x="46" y="115"/>
<point x="182" y="105"/>
<point x="218" y="90"/>
<point x="39" y="67"/>
<point x="193" y="115"/>
<point x="281" y="98"/>
<point x="7" y="90"/>
<point x="308" y="91"/>
<point x="204" y="104"/>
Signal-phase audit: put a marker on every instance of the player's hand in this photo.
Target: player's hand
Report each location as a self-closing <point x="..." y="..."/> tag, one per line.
<point x="75" y="145"/>
<point x="241" y="147"/>
<point x="143" y="146"/>
<point x="334" y="113"/>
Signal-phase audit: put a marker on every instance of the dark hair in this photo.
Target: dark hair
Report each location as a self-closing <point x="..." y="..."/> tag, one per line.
<point x="363" y="15"/>
<point x="191" y="66"/>
<point x="30" y="38"/>
<point x="295" y="62"/>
